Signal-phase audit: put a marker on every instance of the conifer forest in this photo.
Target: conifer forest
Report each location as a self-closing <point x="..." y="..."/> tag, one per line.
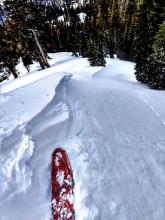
<point x="134" y="30"/>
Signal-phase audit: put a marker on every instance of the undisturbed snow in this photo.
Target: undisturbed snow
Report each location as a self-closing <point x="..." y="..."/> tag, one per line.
<point x="111" y="126"/>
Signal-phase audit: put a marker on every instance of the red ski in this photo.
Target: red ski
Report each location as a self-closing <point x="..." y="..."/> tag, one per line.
<point x="62" y="186"/>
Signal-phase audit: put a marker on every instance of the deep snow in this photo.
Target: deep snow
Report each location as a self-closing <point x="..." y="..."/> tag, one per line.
<point x="112" y="127"/>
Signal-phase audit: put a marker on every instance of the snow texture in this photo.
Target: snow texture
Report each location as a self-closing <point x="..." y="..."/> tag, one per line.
<point x="112" y="127"/>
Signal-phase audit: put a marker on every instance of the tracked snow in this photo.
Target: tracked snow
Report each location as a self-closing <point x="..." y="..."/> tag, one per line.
<point x="112" y="128"/>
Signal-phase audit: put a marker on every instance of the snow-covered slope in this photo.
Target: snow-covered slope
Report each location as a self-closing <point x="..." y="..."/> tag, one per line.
<point x="112" y="127"/>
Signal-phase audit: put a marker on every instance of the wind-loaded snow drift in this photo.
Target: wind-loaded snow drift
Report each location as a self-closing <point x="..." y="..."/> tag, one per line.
<point x="112" y="128"/>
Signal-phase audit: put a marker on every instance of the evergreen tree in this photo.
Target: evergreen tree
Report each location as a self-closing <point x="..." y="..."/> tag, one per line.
<point x="96" y="54"/>
<point x="113" y="27"/>
<point x="157" y="65"/>
<point x="96" y="44"/>
<point x="149" y="18"/>
<point x="8" y="54"/>
<point x="127" y="31"/>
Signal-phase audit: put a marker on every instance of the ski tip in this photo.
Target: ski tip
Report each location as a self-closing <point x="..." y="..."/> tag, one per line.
<point x="58" y="149"/>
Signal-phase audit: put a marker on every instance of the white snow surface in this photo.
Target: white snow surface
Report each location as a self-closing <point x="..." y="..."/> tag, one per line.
<point x="112" y="127"/>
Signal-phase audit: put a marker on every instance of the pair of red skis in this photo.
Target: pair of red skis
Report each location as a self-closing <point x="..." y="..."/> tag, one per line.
<point x="62" y="186"/>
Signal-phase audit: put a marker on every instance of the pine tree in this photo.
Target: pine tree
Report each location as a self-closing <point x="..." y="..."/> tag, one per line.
<point x="157" y="65"/>
<point x="148" y="20"/>
<point x="113" y="27"/>
<point x="8" y="53"/>
<point x="96" y="43"/>
<point x="96" y="56"/>
<point x="127" y="30"/>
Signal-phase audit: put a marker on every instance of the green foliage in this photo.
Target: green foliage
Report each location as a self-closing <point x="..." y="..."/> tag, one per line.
<point x="8" y="54"/>
<point x="159" y="45"/>
<point x="157" y="66"/>
<point x="96" y="54"/>
<point x="96" y="40"/>
<point x="157" y="78"/>
<point x="148" y="23"/>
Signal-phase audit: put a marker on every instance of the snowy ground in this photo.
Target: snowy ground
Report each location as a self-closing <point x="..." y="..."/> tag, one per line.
<point x="112" y="127"/>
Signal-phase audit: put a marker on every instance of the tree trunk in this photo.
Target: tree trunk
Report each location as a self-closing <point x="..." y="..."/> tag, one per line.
<point x="111" y="52"/>
<point x="13" y="72"/>
<point x="45" y="62"/>
<point x="67" y="11"/>
<point x="41" y="63"/>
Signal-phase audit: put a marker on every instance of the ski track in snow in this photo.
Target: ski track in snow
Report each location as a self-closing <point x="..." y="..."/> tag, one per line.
<point x="154" y="110"/>
<point x="115" y="140"/>
<point x="125" y="165"/>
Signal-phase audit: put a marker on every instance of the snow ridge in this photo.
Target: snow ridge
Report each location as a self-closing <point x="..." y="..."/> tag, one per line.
<point x="54" y="126"/>
<point x="19" y="171"/>
<point x="55" y="112"/>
